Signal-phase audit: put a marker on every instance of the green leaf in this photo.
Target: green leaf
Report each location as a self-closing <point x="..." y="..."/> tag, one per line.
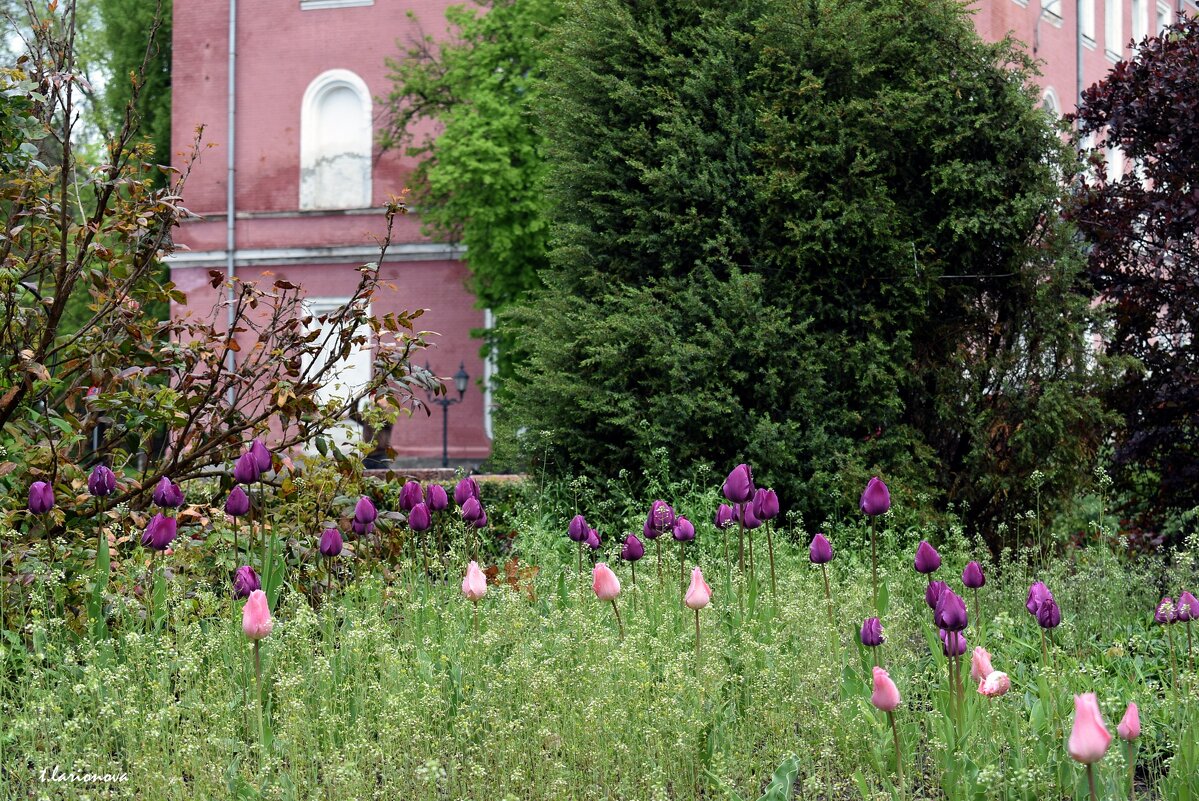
<point x="779" y="788"/>
<point x="95" y="605"/>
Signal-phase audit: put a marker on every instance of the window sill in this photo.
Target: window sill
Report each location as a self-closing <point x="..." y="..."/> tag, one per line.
<point x="316" y="5"/>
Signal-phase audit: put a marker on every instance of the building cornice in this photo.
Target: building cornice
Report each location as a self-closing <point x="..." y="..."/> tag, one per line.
<point x="280" y="257"/>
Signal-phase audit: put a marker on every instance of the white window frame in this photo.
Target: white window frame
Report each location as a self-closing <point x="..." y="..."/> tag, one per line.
<point x="315" y="307"/>
<point x="1113" y="29"/>
<point x="316" y="5"/>
<point x="1087" y="22"/>
<point x="309" y="120"/>
<point x="1164" y="17"/>
<point x="1140" y="20"/>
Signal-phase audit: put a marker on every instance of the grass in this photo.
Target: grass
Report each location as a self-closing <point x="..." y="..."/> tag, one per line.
<point x="387" y="692"/>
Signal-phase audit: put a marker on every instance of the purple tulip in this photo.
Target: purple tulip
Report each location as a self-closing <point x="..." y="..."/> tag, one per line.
<point x="102" y="481"/>
<point x="262" y="456"/>
<point x="245" y="469"/>
<point x="410" y="496"/>
<point x="330" y="542"/>
<point x="972" y="576"/>
<point x="577" y="530"/>
<point x="739" y="486"/>
<point x="167" y="494"/>
<point x="245" y="581"/>
<point x="683" y="530"/>
<point x="876" y="498"/>
<point x="820" y="551"/>
<point x="592" y="540"/>
<point x="766" y="504"/>
<point x="1188" y="608"/>
<point x="160" y="532"/>
<point x="419" y="518"/>
<point x="437" y="498"/>
<point x="950" y="613"/>
<point x="360" y="528"/>
<point x="481" y="520"/>
<point x="932" y="593"/>
<point x="724" y="516"/>
<point x="364" y="511"/>
<point x="1048" y="614"/>
<point x="472" y="510"/>
<point x="872" y="632"/>
<point x="1037" y="594"/>
<point x="748" y="517"/>
<point x="952" y="643"/>
<point x="661" y="517"/>
<point x="632" y="550"/>
<point x="238" y="503"/>
<point x="465" y="489"/>
<point x="41" y="497"/>
<point x="927" y="558"/>
<point x="1164" y="612"/>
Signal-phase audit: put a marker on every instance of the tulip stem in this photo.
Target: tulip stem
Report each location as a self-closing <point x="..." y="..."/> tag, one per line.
<point x="1044" y="650"/>
<point x="828" y="596"/>
<point x="724" y="533"/>
<point x="874" y="564"/>
<point x="658" y="551"/>
<point x="898" y="756"/>
<point x="476" y="618"/>
<point x="1091" y="781"/>
<point x="741" y="538"/>
<point x="978" y="618"/>
<point x="1132" y="771"/>
<point x="1190" y="656"/>
<point x="683" y="566"/>
<point x="618" y="623"/>
<point x="633" y="567"/>
<point x="580" y="559"/>
<point x="236" y="549"/>
<point x="1173" y="662"/>
<point x="770" y="547"/>
<point x="258" y="685"/>
<point x="697" y="640"/>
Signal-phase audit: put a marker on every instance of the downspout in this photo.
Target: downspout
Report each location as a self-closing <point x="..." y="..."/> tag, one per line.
<point x="489" y="371"/>
<point x="230" y="195"/>
<point x="1078" y="57"/>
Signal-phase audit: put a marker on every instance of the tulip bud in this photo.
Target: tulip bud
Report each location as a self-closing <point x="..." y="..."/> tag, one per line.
<point x="1164" y="613"/>
<point x="577" y="530"/>
<point x="245" y="469"/>
<point x="876" y="498"/>
<point x="1089" y="738"/>
<point x="739" y="486"/>
<point x="972" y="576"/>
<point x="262" y="456"/>
<point x="748" y="517"/>
<point x="471" y="510"/>
<point x="419" y="519"/>
<point x="1037" y="593"/>
<point x="995" y="684"/>
<point x="980" y="664"/>
<point x="1048" y="614"/>
<point x="872" y="632"/>
<point x="766" y="504"/>
<point x="364" y="511"/>
<point x="661" y="517"/>
<point x="604" y="582"/>
<point x="360" y="528"/>
<point x="481" y="521"/>
<point x="633" y="549"/>
<point x="410" y="496"/>
<point x="331" y="542"/>
<point x="256" y="619"/>
<point x="886" y="694"/>
<point x="820" y="551"/>
<point x="1188" y="607"/>
<point x="437" y="498"/>
<point x="102" y="481"/>
<point x="950" y="612"/>
<point x="952" y="643"/>
<point x="932" y="593"/>
<point x="160" y="532"/>
<point x="464" y="489"/>
<point x="724" y="516"/>
<point x="474" y="585"/>
<point x="927" y="558"/>
<point x="592" y="540"/>
<point x="238" y="503"/>
<point x="683" y="530"/>
<point x="699" y="593"/>
<point x="1130" y="725"/>
<point x="245" y="581"/>
<point x="167" y="494"/>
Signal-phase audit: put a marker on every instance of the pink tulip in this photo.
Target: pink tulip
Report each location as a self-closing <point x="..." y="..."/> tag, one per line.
<point x="256" y="619"/>
<point x="980" y="664"/>
<point x="995" y="684"/>
<point x="1089" y="739"/>
<point x="1130" y="724"/>
<point x="699" y="593"/>
<point x="886" y="694"/>
<point x="604" y="582"/>
<point x="474" y="586"/>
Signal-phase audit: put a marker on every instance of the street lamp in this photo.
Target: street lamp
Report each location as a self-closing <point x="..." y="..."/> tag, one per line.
<point x="460" y="381"/>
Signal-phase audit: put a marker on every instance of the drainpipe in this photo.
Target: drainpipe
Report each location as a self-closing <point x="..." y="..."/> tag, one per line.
<point x="489" y="371"/>
<point x="230" y="175"/>
<point x="1078" y="57"/>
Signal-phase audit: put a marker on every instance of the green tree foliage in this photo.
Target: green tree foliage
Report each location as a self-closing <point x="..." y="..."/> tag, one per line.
<point x="481" y="178"/>
<point x="820" y="236"/>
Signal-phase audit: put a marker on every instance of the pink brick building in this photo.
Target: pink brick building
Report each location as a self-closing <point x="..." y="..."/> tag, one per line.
<point x="310" y="183"/>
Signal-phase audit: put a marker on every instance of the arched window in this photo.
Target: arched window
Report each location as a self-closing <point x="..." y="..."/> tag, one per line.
<point x="1050" y="103"/>
<point x="335" y="143"/>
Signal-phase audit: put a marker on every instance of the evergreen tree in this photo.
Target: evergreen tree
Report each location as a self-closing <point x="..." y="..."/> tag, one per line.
<point x="821" y="236"/>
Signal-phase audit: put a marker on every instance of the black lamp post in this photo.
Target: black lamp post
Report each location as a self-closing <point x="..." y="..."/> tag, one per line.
<point x="460" y="381"/>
